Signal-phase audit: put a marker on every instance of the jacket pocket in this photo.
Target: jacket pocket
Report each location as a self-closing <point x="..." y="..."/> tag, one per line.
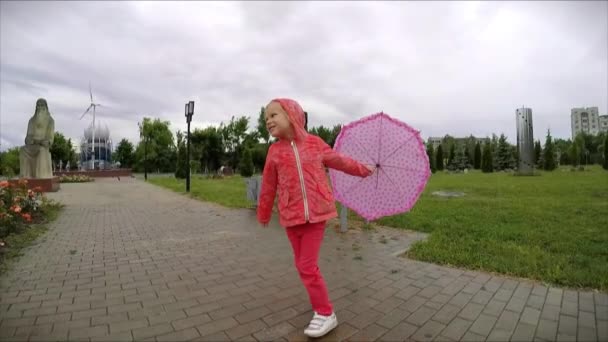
<point x="283" y="200"/>
<point x="325" y="191"/>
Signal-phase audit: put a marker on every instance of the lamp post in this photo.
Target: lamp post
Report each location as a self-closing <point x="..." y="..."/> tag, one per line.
<point x="145" y="157"/>
<point x="189" y="110"/>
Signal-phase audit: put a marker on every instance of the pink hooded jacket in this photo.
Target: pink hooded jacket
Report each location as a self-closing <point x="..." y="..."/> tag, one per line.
<point x="296" y="170"/>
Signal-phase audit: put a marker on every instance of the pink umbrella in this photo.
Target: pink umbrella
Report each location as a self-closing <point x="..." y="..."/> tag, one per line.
<point x="402" y="166"/>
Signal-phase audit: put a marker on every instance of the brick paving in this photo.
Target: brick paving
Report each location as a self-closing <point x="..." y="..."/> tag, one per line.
<point x="130" y="261"/>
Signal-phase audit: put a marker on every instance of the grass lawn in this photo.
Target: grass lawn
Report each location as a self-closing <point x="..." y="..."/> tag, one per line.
<point x="552" y="227"/>
<point x="229" y="191"/>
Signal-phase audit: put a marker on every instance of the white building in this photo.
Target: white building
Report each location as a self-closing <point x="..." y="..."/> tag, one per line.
<point x="603" y="123"/>
<point x="587" y="120"/>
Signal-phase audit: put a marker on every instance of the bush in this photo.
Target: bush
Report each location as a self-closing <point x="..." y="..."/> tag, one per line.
<point x="246" y="165"/>
<point x="18" y="207"/>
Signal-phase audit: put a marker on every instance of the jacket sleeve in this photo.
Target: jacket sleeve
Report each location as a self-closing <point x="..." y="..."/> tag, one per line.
<point x="268" y="189"/>
<point x="335" y="160"/>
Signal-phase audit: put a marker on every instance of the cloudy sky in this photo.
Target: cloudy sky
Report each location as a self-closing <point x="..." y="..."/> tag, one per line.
<point x="455" y="68"/>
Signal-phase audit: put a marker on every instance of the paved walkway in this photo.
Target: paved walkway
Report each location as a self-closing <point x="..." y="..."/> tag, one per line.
<point x="130" y="261"/>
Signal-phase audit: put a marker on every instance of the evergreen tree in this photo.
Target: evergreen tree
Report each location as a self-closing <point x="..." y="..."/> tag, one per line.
<point x="537" y="153"/>
<point x="549" y="155"/>
<point x="477" y="159"/>
<point x="439" y="159"/>
<point x="452" y="154"/>
<point x="486" y="159"/>
<point x="431" y="154"/>
<point x="503" y="154"/>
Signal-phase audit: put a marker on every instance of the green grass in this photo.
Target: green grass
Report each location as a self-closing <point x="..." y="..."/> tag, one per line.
<point x="552" y="227"/>
<point x="228" y="191"/>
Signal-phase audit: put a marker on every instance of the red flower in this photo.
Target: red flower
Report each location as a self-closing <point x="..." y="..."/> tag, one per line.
<point x="27" y="217"/>
<point x="16" y="208"/>
<point x="3" y="184"/>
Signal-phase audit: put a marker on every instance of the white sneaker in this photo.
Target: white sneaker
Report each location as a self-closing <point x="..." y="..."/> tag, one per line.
<point x="321" y="325"/>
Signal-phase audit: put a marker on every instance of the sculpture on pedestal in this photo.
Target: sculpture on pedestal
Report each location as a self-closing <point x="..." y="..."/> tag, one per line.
<point x="35" y="156"/>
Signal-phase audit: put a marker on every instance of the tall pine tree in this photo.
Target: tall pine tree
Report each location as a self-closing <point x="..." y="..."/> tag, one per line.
<point x="431" y="154"/>
<point x="439" y="159"/>
<point x="452" y="154"/>
<point x="537" y="153"/>
<point x="477" y="158"/>
<point x="486" y="158"/>
<point x="503" y="154"/>
<point x="549" y="154"/>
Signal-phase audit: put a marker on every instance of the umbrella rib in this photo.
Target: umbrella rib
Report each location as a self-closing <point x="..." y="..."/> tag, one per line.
<point x="380" y="139"/>
<point x="389" y="178"/>
<point x="398" y="148"/>
<point x="400" y="168"/>
<point x="366" y="151"/>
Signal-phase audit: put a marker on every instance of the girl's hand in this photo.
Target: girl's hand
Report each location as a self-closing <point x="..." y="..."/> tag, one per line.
<point x="371" y="168"/>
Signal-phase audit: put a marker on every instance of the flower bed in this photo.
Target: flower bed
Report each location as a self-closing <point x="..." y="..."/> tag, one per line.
<point x="22" y="211"/>
<point x="75" y="179"/>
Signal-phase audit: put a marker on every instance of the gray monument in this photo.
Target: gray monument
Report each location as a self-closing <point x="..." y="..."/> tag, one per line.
<point x="525" y="141"/>
<point x="35" y="156"/>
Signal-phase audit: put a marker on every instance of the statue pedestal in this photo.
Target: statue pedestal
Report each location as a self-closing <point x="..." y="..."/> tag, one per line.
<point x="46" y="184"/>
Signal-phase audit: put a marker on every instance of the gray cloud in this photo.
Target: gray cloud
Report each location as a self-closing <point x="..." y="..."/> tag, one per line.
<point x="454" y="68"/>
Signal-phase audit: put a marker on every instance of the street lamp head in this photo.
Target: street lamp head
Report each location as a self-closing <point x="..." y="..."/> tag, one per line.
<point x="191" y="108"/>
<point x="186" y="110"/>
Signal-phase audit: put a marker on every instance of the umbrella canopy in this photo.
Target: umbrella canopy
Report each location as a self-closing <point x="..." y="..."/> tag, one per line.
<point x="402" y="166"/>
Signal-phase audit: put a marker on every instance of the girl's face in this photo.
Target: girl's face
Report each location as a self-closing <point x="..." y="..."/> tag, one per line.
<point x="277" y="121"/>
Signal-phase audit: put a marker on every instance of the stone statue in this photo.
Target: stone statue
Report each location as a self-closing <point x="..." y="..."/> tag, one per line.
<point x="35" y="156"/>
<point x="60" y="165"/>
<point x="67" y="166"/>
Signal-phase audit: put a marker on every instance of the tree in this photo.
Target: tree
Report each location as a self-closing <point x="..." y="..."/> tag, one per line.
<point x="9" y="162"/>
<point x="181" y="169"/>
<point x="537" y="153"/>
<point x="452" y="154"/>
<point x="477" y="158"/>
<point x="605" y="164"/>
<point x="439" y="159"/>
<point x="329" y="135"/>
<point x="261" y="129"/>
<point x="431" y="154"/>
<point x="207" y="147"/>
<point x="246" y="164"/>
<point x="549" y="154"/>
<point x="233" y="135"/>
<point x="124" y="153"/>
<point x="259" y="153"/>
<point x="161" y="149"/>
<point x="460" y="161"/>
<point x="486" y="158"/>
<point x="504" y="155"/>
<point x="61" y="149"/>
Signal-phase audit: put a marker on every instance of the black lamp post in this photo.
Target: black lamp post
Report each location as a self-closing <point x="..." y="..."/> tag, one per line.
<point x="189" y="110"/>
<point x="145" y="153"/>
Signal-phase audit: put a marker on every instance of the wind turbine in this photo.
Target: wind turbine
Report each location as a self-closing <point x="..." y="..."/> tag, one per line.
<point x="94" y="106"/>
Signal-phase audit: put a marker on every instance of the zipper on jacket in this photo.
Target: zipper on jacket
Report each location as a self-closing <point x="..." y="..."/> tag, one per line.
<point x="301" y="174"/>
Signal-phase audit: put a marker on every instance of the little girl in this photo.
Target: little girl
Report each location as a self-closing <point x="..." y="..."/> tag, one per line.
<point x="295" y="168"/>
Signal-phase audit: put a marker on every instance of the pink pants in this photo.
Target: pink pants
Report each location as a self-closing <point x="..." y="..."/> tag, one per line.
<point x="306" y="242"/>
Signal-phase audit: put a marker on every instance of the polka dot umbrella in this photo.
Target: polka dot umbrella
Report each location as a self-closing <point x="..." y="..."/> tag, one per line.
<point x="402" y="166"/>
